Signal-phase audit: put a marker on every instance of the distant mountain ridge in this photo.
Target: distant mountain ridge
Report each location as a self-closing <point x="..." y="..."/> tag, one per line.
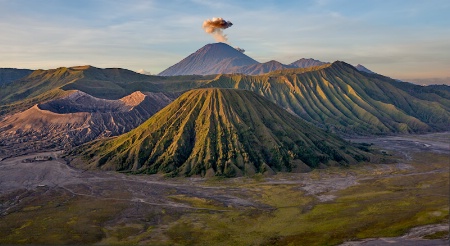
<point x="8" y="75"/>
<point x="260" y="68"/>
<point x="307" y="62"/>
<point x="108" y="83"/>
<point x="220" y="58"/>
<point x="340" y="98"/>
<point x="362" y="68"/>
<point x="336" y="96"/>
<point x="430" y="81"/>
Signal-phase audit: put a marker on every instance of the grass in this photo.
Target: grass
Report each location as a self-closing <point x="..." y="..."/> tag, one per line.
<point x="111" y="83"/>
<point x="60" y="219"/>
<point x="384" y="206"/>
<point x="197" y="202"/>
<point x="386" y="203"/>
<point x="220" y="132"/>
<point x="437" y="235"/>
<point x="347" y="101"/>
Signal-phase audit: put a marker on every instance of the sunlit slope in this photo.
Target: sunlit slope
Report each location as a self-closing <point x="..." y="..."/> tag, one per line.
<point x="219" y="132"/>
<point x="340" y="98"/>
<point x="110" y="83"/>
<point x="38" y="83"/>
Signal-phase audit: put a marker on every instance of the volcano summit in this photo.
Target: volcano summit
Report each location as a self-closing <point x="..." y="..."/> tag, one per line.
<point x="210" y="59"/>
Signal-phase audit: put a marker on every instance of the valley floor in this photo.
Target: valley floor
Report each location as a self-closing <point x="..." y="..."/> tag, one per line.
<point x="404" y="201"/>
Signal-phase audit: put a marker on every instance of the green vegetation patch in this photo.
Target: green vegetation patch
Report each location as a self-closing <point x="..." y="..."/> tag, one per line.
<point x="197" y="202"/>
<point x="384" y="206"/>
<point x="386" y="201"/>
<point x="60" y="219"/>
<point x="437" y="235"/>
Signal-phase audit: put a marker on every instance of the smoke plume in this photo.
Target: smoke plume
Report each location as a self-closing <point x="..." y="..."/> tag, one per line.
<point x="239" y="49"/>
<point x="142" y="71"/>
<point x="215" y="27"/>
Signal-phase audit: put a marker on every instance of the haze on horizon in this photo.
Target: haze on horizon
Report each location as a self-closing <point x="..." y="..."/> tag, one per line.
<point x="400" y="39"/>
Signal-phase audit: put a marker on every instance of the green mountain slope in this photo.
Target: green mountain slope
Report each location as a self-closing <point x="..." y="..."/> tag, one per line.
<point x="340" y="98"/>
<point x="8" y="75"/>
<point x="219" y="132"/>
<point x="111" y="83"/>
<point x="334" y="96"/>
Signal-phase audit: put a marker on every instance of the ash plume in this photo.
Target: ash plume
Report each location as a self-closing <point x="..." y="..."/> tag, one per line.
<point x="215" y="27"/>
<point x="239" y="49"/>
<point x="142" y="71"/>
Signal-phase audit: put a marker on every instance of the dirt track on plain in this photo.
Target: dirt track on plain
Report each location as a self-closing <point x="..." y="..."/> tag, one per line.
<point x="41" y="177"/>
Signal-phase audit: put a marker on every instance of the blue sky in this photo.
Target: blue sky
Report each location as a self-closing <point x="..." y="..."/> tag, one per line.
<point x="401" y="39"/>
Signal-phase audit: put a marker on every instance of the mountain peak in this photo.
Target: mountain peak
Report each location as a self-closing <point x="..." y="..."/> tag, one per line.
<point x="133" y="99"/>
<point x="260" y="68"/>
<point x="307" y="62"/>
<point x="212" y="58"/>
<point x="83" y="67"/>
<point x="362" y="68"/>
<point x="273" y="62"/>
<point x="342" y="64"/>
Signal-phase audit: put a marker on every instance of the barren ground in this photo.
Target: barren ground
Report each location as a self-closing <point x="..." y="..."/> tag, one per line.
<point x="405" y="201"/>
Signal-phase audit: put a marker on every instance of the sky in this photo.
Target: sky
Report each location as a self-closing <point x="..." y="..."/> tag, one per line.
<point x="398" y="38"/>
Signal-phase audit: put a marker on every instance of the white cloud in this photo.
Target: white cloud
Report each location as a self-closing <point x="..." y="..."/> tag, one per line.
<point x="142" y="71"/>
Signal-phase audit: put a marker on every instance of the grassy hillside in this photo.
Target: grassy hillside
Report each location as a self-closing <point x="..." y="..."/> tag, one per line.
<point x="38" y="83"/>
<point x="8" y="75"/>
<point x="220" y="132"/>
<point x="335" y="96"/>
<point x="340" y="98"/>
<point x="112" y="83"/>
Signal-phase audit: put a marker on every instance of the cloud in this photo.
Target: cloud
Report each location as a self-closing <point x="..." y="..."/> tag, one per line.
<point x="156" y="34"/>
<point x="142" y="71"/>
<point x="239" y="49"/>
